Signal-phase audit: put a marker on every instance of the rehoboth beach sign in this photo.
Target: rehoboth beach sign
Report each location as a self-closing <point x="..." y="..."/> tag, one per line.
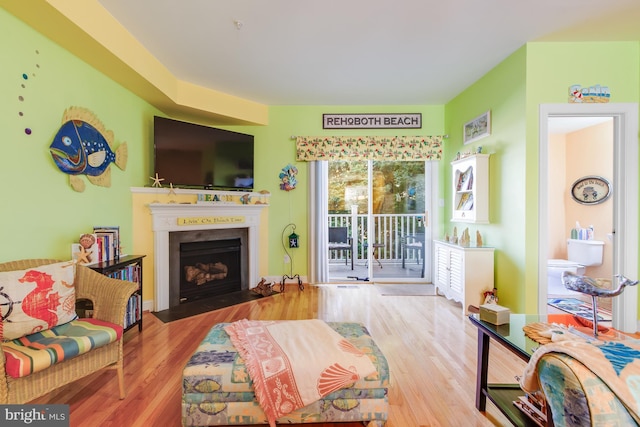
<point x="372" y="121"/>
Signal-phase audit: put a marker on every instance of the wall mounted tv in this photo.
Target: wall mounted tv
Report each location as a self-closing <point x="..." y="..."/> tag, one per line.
<point x="196" y="156"/>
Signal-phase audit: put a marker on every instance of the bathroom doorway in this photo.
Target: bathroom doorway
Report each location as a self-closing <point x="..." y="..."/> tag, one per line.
<point x="564" y="138"/>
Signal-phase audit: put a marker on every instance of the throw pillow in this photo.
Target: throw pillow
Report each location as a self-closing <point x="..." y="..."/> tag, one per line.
<point x="36" y="299"/>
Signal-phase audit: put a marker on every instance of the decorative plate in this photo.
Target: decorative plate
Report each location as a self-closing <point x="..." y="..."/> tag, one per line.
<point x="591" y="190"/>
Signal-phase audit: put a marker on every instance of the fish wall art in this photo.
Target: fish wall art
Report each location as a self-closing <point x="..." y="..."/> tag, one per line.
<point x="83" y="146"/>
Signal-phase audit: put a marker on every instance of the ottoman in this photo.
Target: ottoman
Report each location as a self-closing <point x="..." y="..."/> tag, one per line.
<point x="217" y="389"/>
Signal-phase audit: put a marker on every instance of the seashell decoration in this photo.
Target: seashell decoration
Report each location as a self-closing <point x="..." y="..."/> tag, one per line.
<point x="334" y="378"/>
<point x="348" y="347"/>
<point x="273" y="366"/>
<point x="465" y="239"/>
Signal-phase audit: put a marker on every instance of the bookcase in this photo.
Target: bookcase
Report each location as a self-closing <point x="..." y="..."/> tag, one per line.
<point x="129" y="268"/>
<point x="471" y="189"/>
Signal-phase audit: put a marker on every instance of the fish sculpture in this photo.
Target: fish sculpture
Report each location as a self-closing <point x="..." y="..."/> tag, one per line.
<point x="83" y="146"/>
<point x="590" y="286"/>
<point x="595" y="288"/>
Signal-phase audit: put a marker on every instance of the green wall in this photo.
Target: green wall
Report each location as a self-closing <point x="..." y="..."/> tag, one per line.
<point x="502" y="91"/>
<point x="40" y="215"/>
<point x="551" y="69"/>
<point x="537" y="73"/>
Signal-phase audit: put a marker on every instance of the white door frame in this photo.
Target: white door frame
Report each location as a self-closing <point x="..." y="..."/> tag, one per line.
<point x="625" y="210"/>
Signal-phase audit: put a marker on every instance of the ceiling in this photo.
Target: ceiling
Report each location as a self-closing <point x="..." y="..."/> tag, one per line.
<point x="357" y="52"/>
<point x="563" y="125"/>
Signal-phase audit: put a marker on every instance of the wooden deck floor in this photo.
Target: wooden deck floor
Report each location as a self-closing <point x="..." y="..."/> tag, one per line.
<point x="384" y="271"/>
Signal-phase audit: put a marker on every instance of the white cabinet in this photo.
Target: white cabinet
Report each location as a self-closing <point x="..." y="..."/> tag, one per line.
<point x="470" y="194"/>
<point x="463" y="274"/>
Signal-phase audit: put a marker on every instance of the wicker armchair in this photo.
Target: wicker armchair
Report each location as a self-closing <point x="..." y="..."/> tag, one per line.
<point x="109" y="297"/>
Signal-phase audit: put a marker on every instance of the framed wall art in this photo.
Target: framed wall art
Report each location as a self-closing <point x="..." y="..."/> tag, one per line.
<point x="591" y="190"/>
<point x="477" y="128"/>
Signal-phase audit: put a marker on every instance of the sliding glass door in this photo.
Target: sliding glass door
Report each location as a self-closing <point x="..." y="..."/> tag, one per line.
<point x="383" y="207"/>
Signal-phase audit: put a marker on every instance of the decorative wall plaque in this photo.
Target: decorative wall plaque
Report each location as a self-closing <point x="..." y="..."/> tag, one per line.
<point x="591" y="190"/>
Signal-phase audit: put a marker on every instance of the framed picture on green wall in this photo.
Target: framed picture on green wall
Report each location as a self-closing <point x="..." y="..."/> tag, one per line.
<point x="477" y="128"/>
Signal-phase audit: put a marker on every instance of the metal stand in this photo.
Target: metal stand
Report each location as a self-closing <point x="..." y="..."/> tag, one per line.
<point x="284" y="246"/>
<point x="295" y="276"/>
<point x="594" y="300"/>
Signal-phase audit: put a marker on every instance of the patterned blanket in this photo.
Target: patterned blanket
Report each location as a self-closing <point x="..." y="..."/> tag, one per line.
<point x="295" y="363"/>
<point x="616" y="363"/>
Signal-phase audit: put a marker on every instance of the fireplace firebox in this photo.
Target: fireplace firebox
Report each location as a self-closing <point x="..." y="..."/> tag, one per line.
<point x="207" y="263"/>
<point x="209" y="268"/>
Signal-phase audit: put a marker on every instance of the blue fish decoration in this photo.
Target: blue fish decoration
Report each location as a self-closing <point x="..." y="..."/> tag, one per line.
<point x="82" y="146"/>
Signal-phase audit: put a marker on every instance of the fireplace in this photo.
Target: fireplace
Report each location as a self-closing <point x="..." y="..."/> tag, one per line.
<point x="209" y="269"/>
<point x="206" y="263"/>
<point x="175" y="223"/>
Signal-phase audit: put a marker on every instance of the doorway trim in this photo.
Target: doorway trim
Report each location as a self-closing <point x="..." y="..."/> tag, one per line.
<point x="625" y="210"/>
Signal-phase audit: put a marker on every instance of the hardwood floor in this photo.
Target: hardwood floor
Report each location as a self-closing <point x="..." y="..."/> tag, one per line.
<point x="429" y="344"/>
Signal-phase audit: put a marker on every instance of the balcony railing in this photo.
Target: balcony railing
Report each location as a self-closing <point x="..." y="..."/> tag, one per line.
<point x="389" y="230"/>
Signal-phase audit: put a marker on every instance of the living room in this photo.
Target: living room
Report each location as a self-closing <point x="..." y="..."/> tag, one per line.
<point x="60" y="73"/>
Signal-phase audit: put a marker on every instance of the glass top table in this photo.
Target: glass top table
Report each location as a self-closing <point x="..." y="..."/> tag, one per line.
<point x="512" y="337"/>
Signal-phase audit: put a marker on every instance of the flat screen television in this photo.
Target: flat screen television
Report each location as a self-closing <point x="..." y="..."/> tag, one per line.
<point x="195" y="156"/>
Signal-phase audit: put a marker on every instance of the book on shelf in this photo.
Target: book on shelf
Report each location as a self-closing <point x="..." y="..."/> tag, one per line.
<point x="108" y="239"/>
<point x="532" y="408"/>
<point x="465" y="180"/>
<point x="134" y="310"/>
<point x="466" y="202"/>
<point x="130" y="273"/>
<point x="469" y="203"/>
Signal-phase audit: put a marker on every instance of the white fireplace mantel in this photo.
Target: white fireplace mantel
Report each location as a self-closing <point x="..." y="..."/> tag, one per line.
<point x="174" y="217"/>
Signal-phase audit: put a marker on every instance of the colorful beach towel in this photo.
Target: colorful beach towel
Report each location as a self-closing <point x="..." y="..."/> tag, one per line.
<point x="295" y="363"/>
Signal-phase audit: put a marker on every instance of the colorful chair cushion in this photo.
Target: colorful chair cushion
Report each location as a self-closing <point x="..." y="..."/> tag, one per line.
<point x="36" y="352"/>
<point x="36" y="299"/>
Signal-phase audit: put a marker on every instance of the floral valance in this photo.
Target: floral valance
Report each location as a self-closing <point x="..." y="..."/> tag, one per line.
<point x="402" y="148"/>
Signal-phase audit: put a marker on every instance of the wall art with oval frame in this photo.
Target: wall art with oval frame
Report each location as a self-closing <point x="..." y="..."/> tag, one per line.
<point x="591" y="190"/>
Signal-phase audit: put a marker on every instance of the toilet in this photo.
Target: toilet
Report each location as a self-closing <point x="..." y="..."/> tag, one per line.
<point x="581" y="254"/>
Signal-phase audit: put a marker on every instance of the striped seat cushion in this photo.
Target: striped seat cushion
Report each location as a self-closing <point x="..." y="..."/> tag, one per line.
<point x="36" y="352"/>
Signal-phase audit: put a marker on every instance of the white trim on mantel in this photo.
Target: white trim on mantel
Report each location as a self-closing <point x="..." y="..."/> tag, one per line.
<point x="195" y="191"/>
<point x="165" y="220"/>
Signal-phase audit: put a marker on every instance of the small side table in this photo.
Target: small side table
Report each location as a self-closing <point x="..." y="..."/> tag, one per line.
<point x="503" y="395"/>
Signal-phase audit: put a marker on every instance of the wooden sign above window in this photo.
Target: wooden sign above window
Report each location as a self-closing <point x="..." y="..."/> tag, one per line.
<point x="372" y="121"/>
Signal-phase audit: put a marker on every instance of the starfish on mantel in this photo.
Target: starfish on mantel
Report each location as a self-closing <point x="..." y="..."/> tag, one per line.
<point x="156" y="181"/>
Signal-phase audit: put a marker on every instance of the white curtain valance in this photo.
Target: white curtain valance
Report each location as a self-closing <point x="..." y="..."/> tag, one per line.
<point x="401" y="148"/>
